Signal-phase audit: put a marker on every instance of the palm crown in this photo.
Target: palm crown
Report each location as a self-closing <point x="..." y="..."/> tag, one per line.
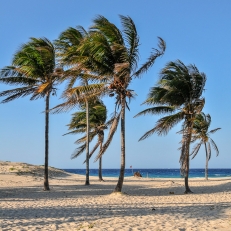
<point x="112" y="54"/>
<point x="178" y="91"/>
<point x="97" y="126"/>
<point x="200" y="133"/>
<point x="34" y="68"/>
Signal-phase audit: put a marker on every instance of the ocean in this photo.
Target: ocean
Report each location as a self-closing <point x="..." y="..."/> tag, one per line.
<point x="155" y="173"/>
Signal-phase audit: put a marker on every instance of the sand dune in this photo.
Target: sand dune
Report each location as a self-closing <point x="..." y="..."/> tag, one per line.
<point x="146" y="205"/>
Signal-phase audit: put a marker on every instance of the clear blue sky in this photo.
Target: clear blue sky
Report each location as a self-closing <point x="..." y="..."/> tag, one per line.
<point x="195" y="32"/>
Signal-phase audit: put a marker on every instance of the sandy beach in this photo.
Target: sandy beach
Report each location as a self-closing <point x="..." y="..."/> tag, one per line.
<point x="147" y="204"/>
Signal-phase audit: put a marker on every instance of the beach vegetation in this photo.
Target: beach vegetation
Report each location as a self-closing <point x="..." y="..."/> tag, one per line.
<point x="82" y="85"/>
<point x="201" y="134"/>
<point x="112" y="55"/>
<point x="35" y="70"/>
<point x="98" y="123"/>
<point x="178" y="93"/>
<point x="103" y="61"/>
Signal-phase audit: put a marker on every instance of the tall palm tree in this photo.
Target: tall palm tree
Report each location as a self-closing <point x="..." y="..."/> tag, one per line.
<point x="97" y="122"/>
<point x="67" y="50"/>
<point x="34" y="68"/>
<point x="178" y="93"/>
<point x="112" y="55"/>
<point x="200" y="133"/>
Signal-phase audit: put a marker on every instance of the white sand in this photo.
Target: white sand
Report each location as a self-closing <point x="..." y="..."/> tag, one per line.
<point x="70" y="205"/>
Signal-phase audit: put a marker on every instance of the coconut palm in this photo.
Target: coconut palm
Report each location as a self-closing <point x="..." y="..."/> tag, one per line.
<point x="200" y="133"/>
<point x="67" y="50"/>
<point x="97" y="122"/>
<point x="35" y="70"/>
<point x="178" y="93"/>
<point x="112" y="55"/>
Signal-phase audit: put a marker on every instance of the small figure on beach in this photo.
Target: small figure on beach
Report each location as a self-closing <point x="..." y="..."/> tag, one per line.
<point x="137" y="174"/>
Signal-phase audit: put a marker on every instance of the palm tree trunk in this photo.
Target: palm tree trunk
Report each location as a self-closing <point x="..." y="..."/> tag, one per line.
<point x="207" y="163"/>
<point x="188" y="141"/>
<point x="46" y="183"/>
<point x="100" y="169"/>
<point x="101" y="139"/>
<point x="122" y="165"/>
<point x="187" y="189"/>
<point x="87" y="182"/>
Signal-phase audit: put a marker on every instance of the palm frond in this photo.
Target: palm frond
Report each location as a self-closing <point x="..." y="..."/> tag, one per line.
<point x="83" y="139"/>
<point x="84" y="91"/>
<point x="156" y="95"/>
<point x="17" y="93"/>
<point x="109" y="122"/>
<point x="196" y="149"/>
<point x="108" y="29"/>
<point x="151" y="60"/>
<point x="209" y="150"/>
<point x="214" y="146"/>
<point x="164" y="124"/>
<point x="156" y="110"/>
<point x="70" y="104"/>
<point x="78" y="151"/>
<point x="19" y="81"/>
<point x="12" y="75"/>
<point x="214" y="130"/>
<point x="76" y="131"/>
<point x="78" y="96"/>
<point x="112" y="131"/>
<point x="37" y="95"/>
<point x="132" y="40"/>
<point x="93" y="150"/>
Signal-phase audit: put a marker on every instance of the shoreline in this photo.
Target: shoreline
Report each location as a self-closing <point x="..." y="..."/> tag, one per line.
<point x="161" y="178"/>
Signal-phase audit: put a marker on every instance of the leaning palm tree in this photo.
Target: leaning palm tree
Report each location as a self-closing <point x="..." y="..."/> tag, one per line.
<point x="34" y="68"/>
<point x="112" y="55"/>
<point x="178" y="93"/>
<point x="67" y="51"/>
<point x="97" y="122"/>
<point x="200" y="132"/>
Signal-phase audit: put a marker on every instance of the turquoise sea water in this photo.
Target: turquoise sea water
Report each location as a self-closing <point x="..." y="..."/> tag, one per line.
<point x="155" y="173"/>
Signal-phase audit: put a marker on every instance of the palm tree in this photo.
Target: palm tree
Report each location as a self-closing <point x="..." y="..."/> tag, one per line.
<point x="34" y="68"/>
<point x="112" y="56"/>
<point x="97" y="122"/>
<point x="67" y="50"/>
<point x="178" y="93"/>
<point x="200" y="132"/>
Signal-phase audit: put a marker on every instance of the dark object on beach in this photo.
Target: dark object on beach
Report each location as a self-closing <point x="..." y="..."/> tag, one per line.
<point x="137" y="174"/>
<point x="153" y="209"/>
<point x="171" y="192"/>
